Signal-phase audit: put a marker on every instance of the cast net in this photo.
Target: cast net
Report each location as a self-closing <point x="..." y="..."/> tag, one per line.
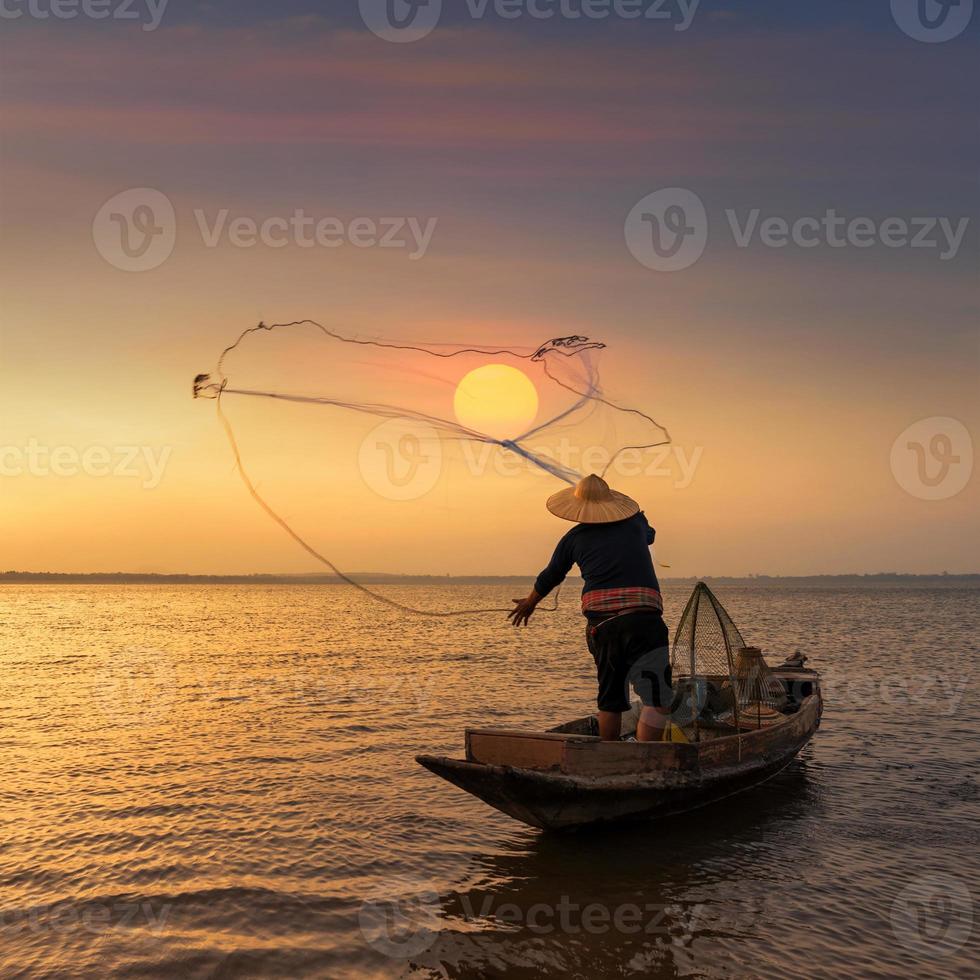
<point x="358" y="448"/>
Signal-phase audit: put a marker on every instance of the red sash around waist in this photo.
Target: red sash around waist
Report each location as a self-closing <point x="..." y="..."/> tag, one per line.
<point x="617" y="600"/>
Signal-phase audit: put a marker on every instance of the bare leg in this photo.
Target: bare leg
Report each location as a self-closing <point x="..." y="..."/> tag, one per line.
<point x="610" y="725"/>
<point x="651" y="725"/>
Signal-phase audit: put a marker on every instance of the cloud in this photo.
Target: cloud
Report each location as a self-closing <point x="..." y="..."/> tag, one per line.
<point x="464" y="90"/>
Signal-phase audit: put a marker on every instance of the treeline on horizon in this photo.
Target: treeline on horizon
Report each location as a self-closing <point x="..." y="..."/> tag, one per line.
<point x="381" y="578"/>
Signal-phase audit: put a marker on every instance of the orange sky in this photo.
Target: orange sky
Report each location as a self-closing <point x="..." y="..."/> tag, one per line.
<point x="787" y="375"/>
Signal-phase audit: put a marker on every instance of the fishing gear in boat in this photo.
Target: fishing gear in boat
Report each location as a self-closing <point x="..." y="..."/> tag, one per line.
<point x="718" y="678"/>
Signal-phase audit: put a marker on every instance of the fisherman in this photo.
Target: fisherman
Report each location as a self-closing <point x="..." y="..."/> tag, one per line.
<point x="621" y="601"/>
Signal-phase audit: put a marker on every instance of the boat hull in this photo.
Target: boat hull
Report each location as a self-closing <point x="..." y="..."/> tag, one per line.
<point x="556" y="800"/>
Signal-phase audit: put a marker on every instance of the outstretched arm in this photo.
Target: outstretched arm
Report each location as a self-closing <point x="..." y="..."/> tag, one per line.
<point x="559" y="566"/>
<point x="524" y="608"/>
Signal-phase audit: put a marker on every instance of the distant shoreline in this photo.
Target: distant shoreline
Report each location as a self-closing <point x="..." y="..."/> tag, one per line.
<point x="881" y="579"/>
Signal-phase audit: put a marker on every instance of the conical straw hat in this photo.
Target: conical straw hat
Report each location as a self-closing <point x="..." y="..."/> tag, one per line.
<point x="591" y="501"/>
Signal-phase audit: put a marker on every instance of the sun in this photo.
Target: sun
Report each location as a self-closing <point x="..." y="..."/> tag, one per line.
<point x="497" y="400"/>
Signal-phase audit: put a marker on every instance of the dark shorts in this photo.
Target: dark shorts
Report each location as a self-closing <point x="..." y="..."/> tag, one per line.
<point x="632" y="649"/>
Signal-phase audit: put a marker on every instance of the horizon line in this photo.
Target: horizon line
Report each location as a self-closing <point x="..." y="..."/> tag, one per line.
<point x="417" y="578"/>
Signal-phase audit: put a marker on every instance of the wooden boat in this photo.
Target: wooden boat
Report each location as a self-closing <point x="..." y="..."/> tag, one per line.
<point x="567" y="777"/>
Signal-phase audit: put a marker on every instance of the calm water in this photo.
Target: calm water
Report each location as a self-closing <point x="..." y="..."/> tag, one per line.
<point x="219" y="782"/>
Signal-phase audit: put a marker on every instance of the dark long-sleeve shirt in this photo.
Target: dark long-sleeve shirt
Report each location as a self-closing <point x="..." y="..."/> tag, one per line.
<point x="609" y="556"/>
